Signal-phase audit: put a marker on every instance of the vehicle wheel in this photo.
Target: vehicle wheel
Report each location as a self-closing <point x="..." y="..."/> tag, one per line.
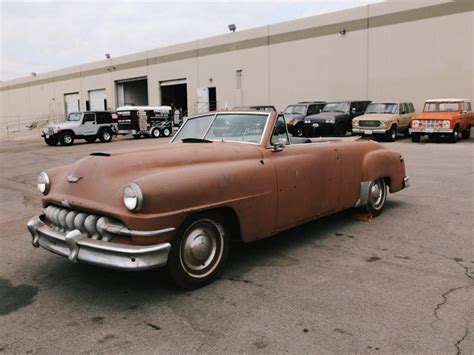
<point x="466" y="134"/>
<point x="66" y="138"/>
<point x="391" y="134"/>
<point x="90" y="139"/>
<point x="198" y="251"/>
<point x="377" y="197"/>
<point x="166" y="132"/>
<point x="298" y="131"/>
<point x="51" y="141"/>
<point x="339" y="130"/>
<point x="136" y="136"/>
<point x="415" y="137"/>
<point x="453" y="138"/>
<point x="155" y="133"/>
<point x="105" y="135"/>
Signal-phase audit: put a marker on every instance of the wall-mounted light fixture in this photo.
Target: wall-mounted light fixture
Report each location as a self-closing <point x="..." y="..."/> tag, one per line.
<point x="232" y="27"/>
<point x="33" y="73"/>
<point x="342" y="32"/>
<point x="210" y="80"/>
<point x="107" y="55"/>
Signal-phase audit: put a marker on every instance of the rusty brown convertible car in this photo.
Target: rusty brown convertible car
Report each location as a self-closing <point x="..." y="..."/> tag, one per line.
<point x="224" y="176"/>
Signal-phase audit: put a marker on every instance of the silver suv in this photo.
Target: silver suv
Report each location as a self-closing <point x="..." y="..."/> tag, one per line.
<point x="81" y="125"/>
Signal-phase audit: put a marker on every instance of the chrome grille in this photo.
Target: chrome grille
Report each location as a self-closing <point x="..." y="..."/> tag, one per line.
<point x="90" y="225"/>
<point x="431" y="123"/>
<point x="369" y="123"/>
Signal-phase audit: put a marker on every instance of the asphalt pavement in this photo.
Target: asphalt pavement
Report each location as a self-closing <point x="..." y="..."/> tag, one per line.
<point x="400" y="283"/>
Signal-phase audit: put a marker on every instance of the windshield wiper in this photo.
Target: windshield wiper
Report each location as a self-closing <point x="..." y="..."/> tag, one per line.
<point x="195" y="140"/>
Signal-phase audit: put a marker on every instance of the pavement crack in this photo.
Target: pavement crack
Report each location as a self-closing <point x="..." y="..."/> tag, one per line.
<point x="458" y="343"/>
<point x="445" y="300"/>
<point x="236" y="279"/>
<point x="458" y="261"/>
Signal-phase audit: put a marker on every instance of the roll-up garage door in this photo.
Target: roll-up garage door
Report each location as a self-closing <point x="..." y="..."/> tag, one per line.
<point x="97" y="100"/>
<point x="71" y="102"/>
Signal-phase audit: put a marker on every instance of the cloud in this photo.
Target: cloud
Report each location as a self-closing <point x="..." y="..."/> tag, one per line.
<point x="38" y="36"/>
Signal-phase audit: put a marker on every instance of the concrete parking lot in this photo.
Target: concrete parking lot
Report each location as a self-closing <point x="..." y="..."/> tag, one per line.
<point x="400" y="283"/>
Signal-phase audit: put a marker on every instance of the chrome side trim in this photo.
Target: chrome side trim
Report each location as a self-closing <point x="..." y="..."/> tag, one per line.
<point x="364" y="194"/>
<point x="119" y="229"/>
<point x="77" y="248"/>
<point x="406" y="182"/>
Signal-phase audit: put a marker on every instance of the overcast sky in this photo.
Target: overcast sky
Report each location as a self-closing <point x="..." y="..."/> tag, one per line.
<point x="39" y="36"/>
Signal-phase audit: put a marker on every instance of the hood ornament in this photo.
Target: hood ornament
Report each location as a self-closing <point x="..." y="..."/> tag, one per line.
<point x="73" y="178"/>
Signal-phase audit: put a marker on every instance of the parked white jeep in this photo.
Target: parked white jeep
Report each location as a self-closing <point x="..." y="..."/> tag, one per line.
<point x="81" y="125"/>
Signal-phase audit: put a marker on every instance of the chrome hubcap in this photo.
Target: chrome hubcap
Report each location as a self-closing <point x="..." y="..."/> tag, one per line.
<point x="68" y="139"/>
<point x="156" y="133"/>
<point x="202" y="248"/>
<point x="377" y="193"/>
<point x="106" y="136"/>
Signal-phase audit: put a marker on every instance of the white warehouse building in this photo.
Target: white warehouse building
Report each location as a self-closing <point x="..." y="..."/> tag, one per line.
<point x="399" y="50"/>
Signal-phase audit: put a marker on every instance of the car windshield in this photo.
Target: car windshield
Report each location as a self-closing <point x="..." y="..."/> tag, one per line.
<point x="230" y="127"/>
<point x="441" y="106"/>
<point x="74" y="117"/>
<point x="336" y="107"/>
<point x="382" y="108"/>
<point x="295" y="110"/>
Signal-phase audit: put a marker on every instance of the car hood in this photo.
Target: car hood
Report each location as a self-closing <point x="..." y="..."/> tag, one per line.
<point x="101" y="177"/>
<point x="435" y="116"/>
<point x="294" y="116"/>
<point x="321" y="117"/>
<point x="377" y="117"/>
<point x="64" y="125"/>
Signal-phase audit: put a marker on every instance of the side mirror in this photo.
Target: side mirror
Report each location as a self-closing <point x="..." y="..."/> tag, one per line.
<point x="280" y="145"/>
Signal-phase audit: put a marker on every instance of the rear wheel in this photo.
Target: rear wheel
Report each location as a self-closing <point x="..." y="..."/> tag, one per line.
<point x="66" y="138"/>
<point x="199" y="251"/>
<point x="105" y="135"/>
<point x="377" y="197"/>
<point x="155" y="133"/>
<point x="415" y="137"/>
<point x="166" y="132"/>
<point x="466" y="134"/>
<point x="391" y="134"/>
<point x="51" y="141"/>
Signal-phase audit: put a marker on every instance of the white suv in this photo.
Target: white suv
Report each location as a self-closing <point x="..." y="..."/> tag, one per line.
<point x="81" y="125"/>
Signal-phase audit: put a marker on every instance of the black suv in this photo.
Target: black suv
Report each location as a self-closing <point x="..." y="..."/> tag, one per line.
<point x="335" y="118"/>
<point x="295" y="115"/>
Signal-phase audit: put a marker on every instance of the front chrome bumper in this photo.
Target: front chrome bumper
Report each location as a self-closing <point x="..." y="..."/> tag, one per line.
<point x="431" y="130"/>
<point x="368" y="131"/>
<point x="78" y="248"/>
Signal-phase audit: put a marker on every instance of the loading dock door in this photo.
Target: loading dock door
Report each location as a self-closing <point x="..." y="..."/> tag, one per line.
<point x="133" y="92"/>
<point x="175" y="93"/>
<point x="71" y="102"/>
<point x="97" y="100"/>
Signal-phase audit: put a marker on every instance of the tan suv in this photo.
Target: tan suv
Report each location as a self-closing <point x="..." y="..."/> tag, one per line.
<point x="384" y="119"/>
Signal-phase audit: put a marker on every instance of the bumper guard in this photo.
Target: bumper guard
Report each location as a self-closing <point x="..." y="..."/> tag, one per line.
<point x="78" y="248"/>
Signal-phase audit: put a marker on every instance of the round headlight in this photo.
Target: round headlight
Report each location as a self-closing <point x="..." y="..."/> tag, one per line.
<point x="132" y="197"/>
<point x="446" y="124"/>
<point x="415" y="123"/>
<point x="43" y="183"/>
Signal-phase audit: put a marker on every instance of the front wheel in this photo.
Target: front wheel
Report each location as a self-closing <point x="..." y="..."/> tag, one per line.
<point x="377" y="197"/>
<point x="415" y="137"/>
<point x="453" y="138"/>
<point x="391" y="134"/>
<point x="51" y="141"/>
<point x="155" y="133"/>
<point x="339" y="130"/>
<point x="298" y="131"/>
<point x="66" y="138"/>
<point x="198" y="251"/>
